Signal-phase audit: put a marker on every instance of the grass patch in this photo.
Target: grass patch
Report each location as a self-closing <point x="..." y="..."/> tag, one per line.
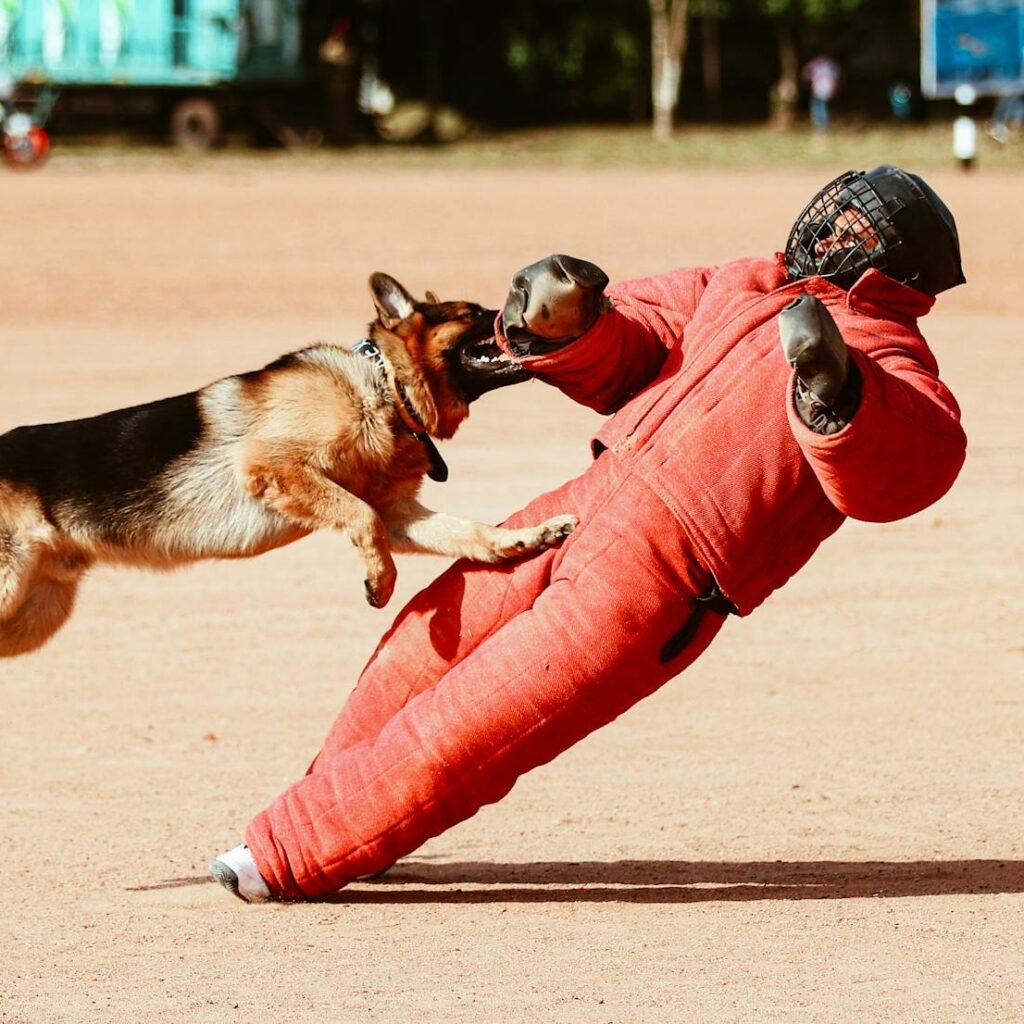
<point x="692" y="147"/>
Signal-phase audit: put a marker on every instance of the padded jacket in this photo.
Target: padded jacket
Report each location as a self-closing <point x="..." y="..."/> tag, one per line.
<point x="690" y="366"/>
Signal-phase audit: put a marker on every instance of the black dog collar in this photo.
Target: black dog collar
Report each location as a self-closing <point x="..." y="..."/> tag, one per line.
<point x="438" y="469"/>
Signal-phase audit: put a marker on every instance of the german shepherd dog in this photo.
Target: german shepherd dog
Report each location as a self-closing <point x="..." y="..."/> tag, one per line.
<point x="322" y="437"/>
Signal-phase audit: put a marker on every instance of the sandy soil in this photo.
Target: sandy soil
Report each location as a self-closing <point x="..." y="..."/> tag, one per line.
<point x="777" y="836"/>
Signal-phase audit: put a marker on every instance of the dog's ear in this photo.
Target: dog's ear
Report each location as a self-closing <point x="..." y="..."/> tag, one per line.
<point x="432" y="298"/>
<point x="393" y="302"/>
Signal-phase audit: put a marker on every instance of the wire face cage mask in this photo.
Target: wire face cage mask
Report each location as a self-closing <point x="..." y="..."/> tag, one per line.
<point x="817" y="246"/>
<point x="884" y="218"/>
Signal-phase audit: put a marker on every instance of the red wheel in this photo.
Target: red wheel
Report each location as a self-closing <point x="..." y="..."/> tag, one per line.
<point x="26" y="149"/>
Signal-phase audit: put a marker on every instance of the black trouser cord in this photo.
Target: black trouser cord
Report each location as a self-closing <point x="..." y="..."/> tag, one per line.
<point x="713" y="600"/>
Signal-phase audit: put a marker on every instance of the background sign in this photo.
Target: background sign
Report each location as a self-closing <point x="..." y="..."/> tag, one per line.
<point x="973" y="42"/>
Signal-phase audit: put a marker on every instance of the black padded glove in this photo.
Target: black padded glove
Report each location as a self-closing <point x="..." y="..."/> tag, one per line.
<point x="552" y="302"/>
<point x="827" y="390"/>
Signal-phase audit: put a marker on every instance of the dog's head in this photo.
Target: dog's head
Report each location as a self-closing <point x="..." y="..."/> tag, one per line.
<point x="443" y="353"/>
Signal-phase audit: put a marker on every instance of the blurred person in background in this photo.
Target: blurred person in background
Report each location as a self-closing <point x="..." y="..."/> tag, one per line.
<point x="900" y="100"/>
<point x="339" y="62"/>
<point x="753" y="407"/>
<point x="822" y="75"/>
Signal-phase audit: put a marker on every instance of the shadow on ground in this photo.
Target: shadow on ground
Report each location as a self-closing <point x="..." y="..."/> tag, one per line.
<point x="656" y="881"/>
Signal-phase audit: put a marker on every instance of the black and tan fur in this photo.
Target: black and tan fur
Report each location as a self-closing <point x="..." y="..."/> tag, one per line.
<point x="323" y="437"/>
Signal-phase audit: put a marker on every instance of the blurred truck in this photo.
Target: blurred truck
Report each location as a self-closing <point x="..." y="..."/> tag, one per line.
<point x="194" y="61"/>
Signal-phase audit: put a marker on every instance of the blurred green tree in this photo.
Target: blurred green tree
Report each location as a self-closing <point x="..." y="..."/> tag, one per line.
<point x="575" y="55"/>
<point x="520" y="63"/>
<point x="670" y="21"/>
<point x="711" y="14"/>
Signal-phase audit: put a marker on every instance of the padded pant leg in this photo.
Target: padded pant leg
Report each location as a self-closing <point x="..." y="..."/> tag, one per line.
<point x="584" y="651"/>
<point x="451" y="617"/>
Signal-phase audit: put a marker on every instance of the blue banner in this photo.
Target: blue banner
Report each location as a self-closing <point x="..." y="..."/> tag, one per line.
<point x="979" y="43"/>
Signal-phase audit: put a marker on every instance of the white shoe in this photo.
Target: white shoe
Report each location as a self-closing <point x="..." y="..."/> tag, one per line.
<point x="237" y="871"/>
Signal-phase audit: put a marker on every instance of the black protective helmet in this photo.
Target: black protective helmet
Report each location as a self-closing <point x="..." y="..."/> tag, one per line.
<point x="913" y="238"/>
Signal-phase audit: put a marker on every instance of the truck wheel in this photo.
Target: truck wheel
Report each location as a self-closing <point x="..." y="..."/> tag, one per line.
<point x="196" y="124"/>
<point x="27" y="148"/>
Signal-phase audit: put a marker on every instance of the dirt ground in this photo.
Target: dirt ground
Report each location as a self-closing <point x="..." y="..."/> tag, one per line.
<point x="776" y="836"/>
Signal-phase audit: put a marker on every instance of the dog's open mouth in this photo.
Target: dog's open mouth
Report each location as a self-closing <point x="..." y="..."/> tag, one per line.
<point x="483" y="366"/>
<point x="484" y="354"/>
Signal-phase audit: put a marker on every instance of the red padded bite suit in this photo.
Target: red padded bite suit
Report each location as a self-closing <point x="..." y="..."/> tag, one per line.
<point x="704" y="474"/>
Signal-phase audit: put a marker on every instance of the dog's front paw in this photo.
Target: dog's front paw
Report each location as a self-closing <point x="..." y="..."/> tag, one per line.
<point x="555" y="530"/>
<point x="379" y="590"/>
<point x="527" y="539"/>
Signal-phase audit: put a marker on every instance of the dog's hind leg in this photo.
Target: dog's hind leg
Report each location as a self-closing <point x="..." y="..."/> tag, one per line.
<point x="42" y="611"/>
<point x="34" y="602"/>
<point x="18" y="560"/>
